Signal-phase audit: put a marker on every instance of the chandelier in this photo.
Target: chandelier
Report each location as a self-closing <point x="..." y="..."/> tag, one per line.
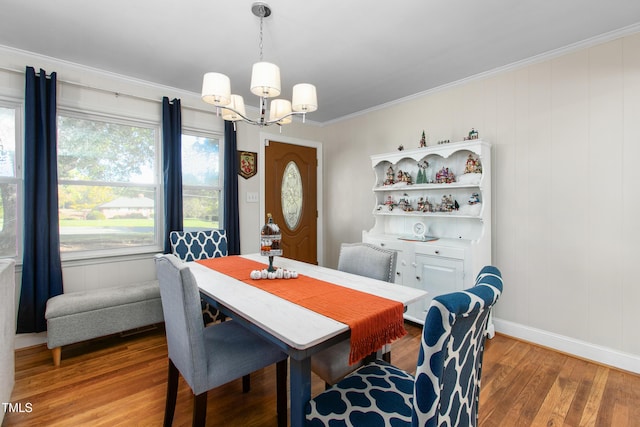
<point x="265" y="83"/>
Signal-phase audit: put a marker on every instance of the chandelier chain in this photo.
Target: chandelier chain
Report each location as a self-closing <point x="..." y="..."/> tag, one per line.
<point x="261" y="18"/>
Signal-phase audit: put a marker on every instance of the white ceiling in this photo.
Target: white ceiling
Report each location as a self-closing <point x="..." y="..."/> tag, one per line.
<point x="357" y="53"/>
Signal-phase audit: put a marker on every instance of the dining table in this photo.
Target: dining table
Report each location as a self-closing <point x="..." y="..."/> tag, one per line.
<point x="298" y="331"/>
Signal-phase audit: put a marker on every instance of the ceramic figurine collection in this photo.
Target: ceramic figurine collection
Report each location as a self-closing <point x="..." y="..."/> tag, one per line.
<point x="442" y="176"/>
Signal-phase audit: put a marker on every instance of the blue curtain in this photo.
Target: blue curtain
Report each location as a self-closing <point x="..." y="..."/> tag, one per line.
<point x="172" y="166"/>
<point x="41" y="266"/>
<point x="231" y="217"/>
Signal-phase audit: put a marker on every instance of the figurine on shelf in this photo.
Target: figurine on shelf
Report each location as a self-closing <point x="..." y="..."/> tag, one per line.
<point x="400" y="147"/>
<point x="473" y="165"/>
<point x="390" y="177"/>
<point x="405" y="205"/>
<point x="422" y="174"/>
<point x="474" y="199"/>
<point x="447" y="204"/>
<point x="424" y="205"/>
<point x="445" y="176"/>
<point x="389" y="203"/>
<point x="404" y="177"/>
<point x="473" y="134"/>
<point x="423" y="140"/>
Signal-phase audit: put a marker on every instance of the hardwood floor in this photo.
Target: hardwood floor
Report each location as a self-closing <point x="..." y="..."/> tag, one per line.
<point x="120" y="381"/>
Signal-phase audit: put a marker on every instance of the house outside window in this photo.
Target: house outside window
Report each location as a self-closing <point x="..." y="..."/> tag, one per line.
<point x="10" y="180"/>
<point x="108" y="191"/>
<point x="201" y="182"/>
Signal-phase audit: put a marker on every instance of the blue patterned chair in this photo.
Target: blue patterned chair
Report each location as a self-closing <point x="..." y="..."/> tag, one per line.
<point x="446" y="387"/>
<point x="195" y="245"/>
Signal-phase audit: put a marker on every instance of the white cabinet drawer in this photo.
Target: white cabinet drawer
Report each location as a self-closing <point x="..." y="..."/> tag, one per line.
<point x="443" y="251"/>
<point x="382" y="242"/>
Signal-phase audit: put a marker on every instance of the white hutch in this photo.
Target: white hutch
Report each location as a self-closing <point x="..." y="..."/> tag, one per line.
<point x="440" y="222"/>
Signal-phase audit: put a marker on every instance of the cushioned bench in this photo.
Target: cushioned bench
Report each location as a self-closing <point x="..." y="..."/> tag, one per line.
<point x="80" y="316"/>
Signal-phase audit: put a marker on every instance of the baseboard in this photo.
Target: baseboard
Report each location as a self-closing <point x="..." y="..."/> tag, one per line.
<point x="581" y="349"/>
<point x="30" y="340"/>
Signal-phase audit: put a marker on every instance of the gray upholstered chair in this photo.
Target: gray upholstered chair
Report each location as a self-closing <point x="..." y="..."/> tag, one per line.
<point x="446" y="388"/>
<point x="208" y="357"/>
<point x="367" y="260"/>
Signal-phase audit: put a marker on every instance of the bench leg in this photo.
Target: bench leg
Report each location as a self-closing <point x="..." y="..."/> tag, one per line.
<point x="57" y="355"/>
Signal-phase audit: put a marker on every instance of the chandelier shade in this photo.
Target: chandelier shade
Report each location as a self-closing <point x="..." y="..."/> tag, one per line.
<point x="235" y="109"/>
<point x="265" y="83"/>
<point x="216" y="89"/>
<point x="304" y="98"/>
<point x="280" y="111"/>
<point x="265" y="79"/>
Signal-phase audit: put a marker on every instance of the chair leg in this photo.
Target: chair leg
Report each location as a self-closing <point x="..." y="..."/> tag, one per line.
<point x="57" y="355"/>
<point x="199" y="410"/>
<point x="281" y="392"/>
<point x="387" y="357"/>
<point x="172" y="394"/>
<point x="246" y="383"/>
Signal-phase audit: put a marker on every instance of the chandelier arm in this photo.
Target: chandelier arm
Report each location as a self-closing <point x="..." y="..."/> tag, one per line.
<point x="262" y="122"/>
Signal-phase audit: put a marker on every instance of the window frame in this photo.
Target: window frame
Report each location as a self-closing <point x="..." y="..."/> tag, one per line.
<point x="18" y="178"/>
<point x="157" y="185"/>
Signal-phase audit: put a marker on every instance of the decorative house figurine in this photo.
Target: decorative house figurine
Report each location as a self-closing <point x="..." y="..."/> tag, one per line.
<point x="424" y="205"/>
<point x="405" y="205"/>
<point x="473" y="134"/>
<point x="473" y="165"/>
<point x="445" y="176"/>
<point x="423" y="140"/>
<point x="404" y="177"/>
<point x="270" y="241"/>
<point x="447" y="204"/>
<point x="390" y="177"/>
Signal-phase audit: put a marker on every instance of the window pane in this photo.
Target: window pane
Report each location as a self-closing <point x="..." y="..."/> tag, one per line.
<point x="8" y="223"/>
<point x="91" y="150"/>
<point x="106" y="217"/>
<point x="200" y="208"/>
<point x="7" y="141"/>
<point x="291" y="195"/>
<point x="200" y="161"/>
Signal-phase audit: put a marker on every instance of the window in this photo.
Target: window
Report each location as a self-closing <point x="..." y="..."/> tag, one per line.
<point x="201" y="187"/>
<point x="10" y="184"/>
<point x="107" y="184"/>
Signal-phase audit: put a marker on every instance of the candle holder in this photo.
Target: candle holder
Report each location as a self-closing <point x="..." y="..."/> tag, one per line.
<point x="270" y="241"/>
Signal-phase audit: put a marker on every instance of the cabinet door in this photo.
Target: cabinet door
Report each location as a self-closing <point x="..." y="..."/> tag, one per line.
<point x="436" y="275"/>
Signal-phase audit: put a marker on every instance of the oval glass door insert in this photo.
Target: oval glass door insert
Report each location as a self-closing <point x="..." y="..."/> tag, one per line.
<point x="291" y="194"/>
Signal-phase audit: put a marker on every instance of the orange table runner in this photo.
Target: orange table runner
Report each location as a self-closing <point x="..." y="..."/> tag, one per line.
<point x="374" y="321"/>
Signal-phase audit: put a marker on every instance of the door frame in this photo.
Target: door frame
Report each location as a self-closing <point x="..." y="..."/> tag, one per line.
<point x="264" y="141"/>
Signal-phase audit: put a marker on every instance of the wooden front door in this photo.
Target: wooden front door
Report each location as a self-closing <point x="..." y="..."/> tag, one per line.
<point x="290" y="196"/>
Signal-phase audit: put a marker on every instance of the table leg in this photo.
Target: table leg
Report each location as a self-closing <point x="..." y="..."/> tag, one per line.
<point x="300" y="388"/>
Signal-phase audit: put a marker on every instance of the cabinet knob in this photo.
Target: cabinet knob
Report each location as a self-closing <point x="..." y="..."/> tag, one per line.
<point x="397" y="273"/>
<point x="437" y="252"/>
<point x="418" y="278"/>
<point x="381" y="244"/>
<point x="413" y="264"/>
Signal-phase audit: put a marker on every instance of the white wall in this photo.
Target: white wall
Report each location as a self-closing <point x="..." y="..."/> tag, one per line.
<point x="566" y="189"/>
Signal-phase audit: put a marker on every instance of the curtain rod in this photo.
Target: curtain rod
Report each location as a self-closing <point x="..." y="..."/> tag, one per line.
<point x="116" y="94"/>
